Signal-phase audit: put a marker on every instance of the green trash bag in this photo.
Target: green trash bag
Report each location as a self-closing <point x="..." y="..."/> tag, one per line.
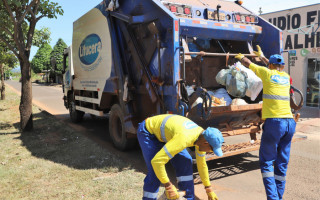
<point x="235" y="81"/>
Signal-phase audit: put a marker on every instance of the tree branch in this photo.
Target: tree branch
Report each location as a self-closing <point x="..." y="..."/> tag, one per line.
<point x="40" y="17"/>
<point x="32" y="27"/>
<point x="33" y="11"/>
<point x="16" y="28"/>
<point x="7" y="31"/>
<point x="28" y="9"/>
<point x="10" y="46"/>
<point x="32" y="23"/>
<point x="5" y="2"/>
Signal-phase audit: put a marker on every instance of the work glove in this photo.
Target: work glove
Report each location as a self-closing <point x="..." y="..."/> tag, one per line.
<point x="171" y="192"/>
<point x="259" y="53"/>
<point x="211" y="194"/>
<point x="239" y="56"/>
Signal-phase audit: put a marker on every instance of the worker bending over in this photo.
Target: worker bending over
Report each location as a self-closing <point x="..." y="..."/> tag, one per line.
<point x="166" y="137"/>
<point x="279" y="125"/>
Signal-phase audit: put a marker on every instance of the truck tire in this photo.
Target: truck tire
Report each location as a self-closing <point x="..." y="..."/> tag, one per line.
<point x="76" y="116"/>
<point x="117" y="130"/>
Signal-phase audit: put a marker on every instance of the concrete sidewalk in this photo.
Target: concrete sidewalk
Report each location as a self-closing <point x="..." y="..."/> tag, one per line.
<point x="308" y="113"/>
<point x="309" y="122"/>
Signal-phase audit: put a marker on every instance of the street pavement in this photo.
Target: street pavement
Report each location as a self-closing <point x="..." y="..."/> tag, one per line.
<point x="233" y="178"/>
<point x="46" y="97"/>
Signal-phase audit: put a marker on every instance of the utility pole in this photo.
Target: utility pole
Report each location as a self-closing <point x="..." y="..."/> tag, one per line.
<point x="260" y="11"/>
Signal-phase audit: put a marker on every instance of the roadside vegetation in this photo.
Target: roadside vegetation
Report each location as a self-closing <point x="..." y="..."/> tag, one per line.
<point x="56" y="162"/>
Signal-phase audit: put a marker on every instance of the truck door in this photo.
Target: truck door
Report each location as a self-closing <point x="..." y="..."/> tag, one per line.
<point x="67" y="81"/>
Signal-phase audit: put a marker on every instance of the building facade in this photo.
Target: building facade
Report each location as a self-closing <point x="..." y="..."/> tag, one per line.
<point x="301" y="47"/>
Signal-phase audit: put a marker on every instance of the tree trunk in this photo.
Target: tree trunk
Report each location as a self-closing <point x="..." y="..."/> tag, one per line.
<point x="25" y="108"/>
<point x="3" y="87"/>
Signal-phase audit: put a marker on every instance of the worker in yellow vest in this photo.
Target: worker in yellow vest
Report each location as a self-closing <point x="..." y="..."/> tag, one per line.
<point x="166" y="137"/>
<point x="279" y="125"/>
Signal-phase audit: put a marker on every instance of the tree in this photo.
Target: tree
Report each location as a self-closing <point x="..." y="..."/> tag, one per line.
<point x="57" y="54"/>
<point x="18" y="19"/>
<point x="41" y="59"/>
<point x="7" y="61"/>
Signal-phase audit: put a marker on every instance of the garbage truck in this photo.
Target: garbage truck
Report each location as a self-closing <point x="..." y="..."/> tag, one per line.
<point x="130" y="60"/>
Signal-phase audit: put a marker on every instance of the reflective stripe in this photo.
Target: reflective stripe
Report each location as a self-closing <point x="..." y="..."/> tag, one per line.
<point x="185" y="178"/>
<point x="150" y="195"/>
<point x="167" y="152"/>
<point x="276" y="97"/>
<point x="279" y="178"/>
<point x="201" y="155"/>
<point x="162" y="128"/>
<point x="267" y="174"/>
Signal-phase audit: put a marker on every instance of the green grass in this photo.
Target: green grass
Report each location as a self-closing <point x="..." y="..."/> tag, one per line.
<point x="56" y="162"/>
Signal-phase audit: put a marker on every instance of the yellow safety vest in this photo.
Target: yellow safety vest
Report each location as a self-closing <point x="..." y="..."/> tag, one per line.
<point x="276" y="95"/>
<point x="178" y="133"/>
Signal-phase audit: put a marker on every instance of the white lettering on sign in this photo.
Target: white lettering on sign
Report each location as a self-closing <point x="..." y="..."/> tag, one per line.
<point x="295" y="21"/>
<point x="92" y="49"/>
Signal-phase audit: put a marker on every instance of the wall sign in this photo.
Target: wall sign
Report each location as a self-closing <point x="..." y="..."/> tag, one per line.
<point x="295" y="21"/>
<point x="304" y="52"/>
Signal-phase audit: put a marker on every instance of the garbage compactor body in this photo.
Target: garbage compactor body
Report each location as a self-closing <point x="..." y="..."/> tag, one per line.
<point x="148" y="57"/>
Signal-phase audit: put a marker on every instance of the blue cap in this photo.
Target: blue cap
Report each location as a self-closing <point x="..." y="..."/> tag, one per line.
<point x="276" y="59"/>
<point x="215" y="139"/>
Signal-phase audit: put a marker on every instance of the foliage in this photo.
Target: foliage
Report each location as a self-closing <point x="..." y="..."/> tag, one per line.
<point x="7" y="57"/>
<point x="16" y="75"/>
<point x="18" y="19"/>
<point x="7" y="60"/>
<point x="41" y="37"/>
<point x="8" y="73"/>
<point x="41" y="61"/>
<point x="57" y="54"/>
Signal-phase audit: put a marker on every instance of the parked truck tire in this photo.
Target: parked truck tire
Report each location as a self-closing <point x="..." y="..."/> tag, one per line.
<point x="117" y="130"/>
<point x="76" y="116"/>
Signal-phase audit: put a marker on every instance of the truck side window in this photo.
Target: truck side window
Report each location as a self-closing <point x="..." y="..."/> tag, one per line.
<point x="65" y="61"/>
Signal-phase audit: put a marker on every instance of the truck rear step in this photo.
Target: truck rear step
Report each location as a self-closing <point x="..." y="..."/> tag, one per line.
<point x="91" y="111"/>
<point x="231" y="150"/>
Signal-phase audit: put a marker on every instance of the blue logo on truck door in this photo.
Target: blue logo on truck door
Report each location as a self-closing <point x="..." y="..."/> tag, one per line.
<point x="89" y="51"/>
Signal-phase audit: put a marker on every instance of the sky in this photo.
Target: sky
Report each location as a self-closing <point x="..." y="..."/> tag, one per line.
<point x="62" y="26"/>
<point x="73" y="9"/>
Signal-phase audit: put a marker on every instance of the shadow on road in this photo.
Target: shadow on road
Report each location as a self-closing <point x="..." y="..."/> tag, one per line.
<point x="75" y="145"/>
<point x="230" y="166"/>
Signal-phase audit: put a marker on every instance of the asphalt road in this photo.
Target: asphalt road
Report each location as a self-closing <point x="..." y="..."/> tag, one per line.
<point x="233" y="178"/>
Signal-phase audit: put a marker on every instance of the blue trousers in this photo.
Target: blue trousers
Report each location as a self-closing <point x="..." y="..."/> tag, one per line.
<point x="274" y="154"/>
<point x="182" y="163"/>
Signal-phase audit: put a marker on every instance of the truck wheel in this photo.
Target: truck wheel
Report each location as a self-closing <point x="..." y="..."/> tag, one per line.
<point x="117" y="130"/>
<point x="76" y="116"/>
